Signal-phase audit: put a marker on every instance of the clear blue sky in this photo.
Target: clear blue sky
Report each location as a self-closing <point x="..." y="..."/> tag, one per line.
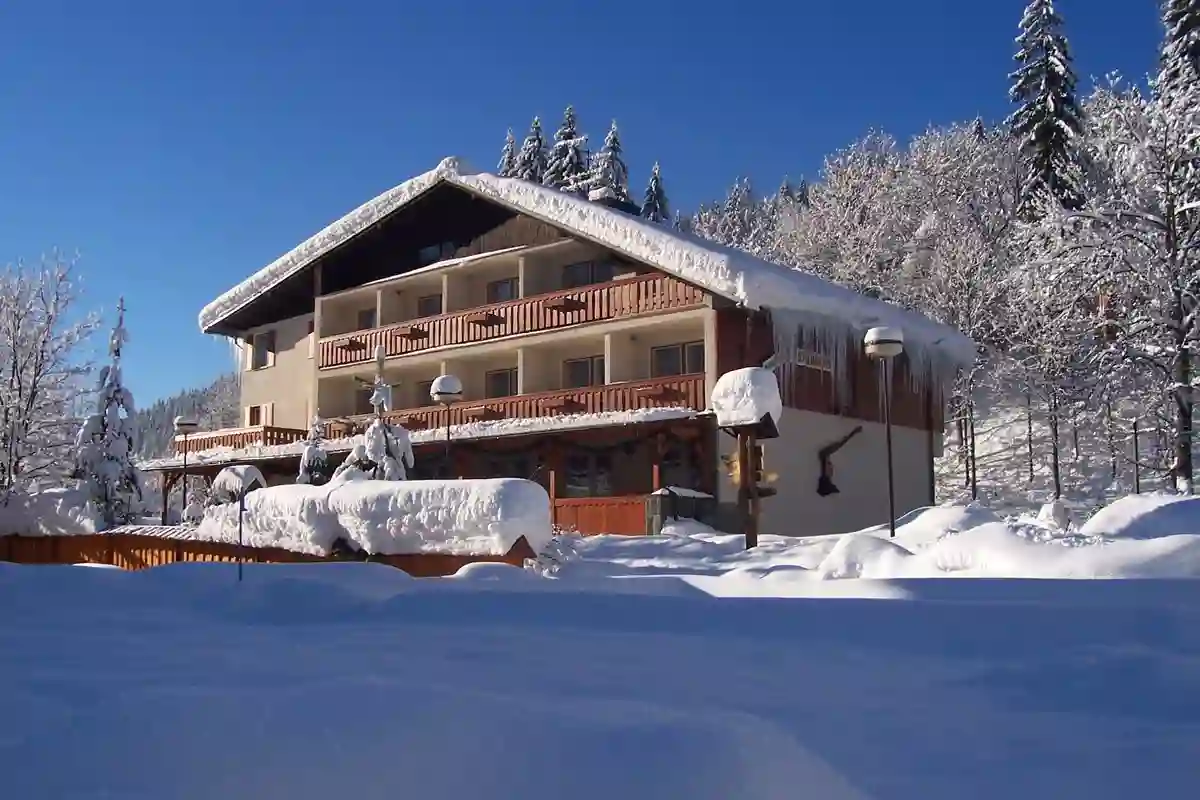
<point x="179" y="145"/>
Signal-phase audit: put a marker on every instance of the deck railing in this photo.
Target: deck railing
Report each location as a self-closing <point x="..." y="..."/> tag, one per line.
<point x="629" y="297"/>
<point x="686" y="391"/>
<point x="254" y="435"/>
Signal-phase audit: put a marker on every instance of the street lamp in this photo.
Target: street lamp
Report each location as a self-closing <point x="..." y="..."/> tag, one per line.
<point x="884" y="345"/>
<point x="446" y="390"/>
<point x="185" y="426"/>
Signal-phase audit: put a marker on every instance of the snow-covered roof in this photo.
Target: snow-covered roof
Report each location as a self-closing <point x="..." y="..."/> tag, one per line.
<point x="721" y="270"/>
<point x="471" y="430"/>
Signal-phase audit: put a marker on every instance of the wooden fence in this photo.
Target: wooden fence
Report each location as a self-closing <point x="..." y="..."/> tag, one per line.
<point x="592" y="515"/>
<point x="141" y="551"/>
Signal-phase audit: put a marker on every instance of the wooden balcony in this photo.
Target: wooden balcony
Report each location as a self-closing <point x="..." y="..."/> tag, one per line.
<point x="255" y="435"/>
<point x="683" y="390"/>
<point x="630" y="297"/>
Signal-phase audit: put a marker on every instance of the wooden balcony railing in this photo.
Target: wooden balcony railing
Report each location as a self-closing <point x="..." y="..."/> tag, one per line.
<point x="255" y="435"/>
<point x="686" y="391"/>
<point x="628" y="297"/>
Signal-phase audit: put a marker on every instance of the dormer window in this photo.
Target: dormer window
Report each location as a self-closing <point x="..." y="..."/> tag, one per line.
<point x="436" y="252"/>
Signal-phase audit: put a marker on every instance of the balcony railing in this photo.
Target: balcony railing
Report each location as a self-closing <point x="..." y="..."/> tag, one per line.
<point x="618" y="299"/>
<point x="686" y="391"/>
<point x="255" y="435"/>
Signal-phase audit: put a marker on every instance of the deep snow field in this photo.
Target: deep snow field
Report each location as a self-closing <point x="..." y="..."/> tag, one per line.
<point x="676" y="666"/>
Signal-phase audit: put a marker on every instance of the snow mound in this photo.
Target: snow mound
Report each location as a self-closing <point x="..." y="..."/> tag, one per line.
<point x="747" y="396"/>
<point x="858" y="554"/>
<point x="58" y="511"/>
<point x="1146" y="516"/>
<point x="232" y="482"/>
<point x="484" y="517"/>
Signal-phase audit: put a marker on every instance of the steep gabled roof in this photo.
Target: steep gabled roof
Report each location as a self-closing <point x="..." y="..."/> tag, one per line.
<point x="796" y="298"/>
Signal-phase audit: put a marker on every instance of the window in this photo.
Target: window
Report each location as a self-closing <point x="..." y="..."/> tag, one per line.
<point x="807" y="358"/>
<point x="581" y="372"/>
<point x="677" y="359"/>
<point x="516" y="465"/>
<point x="501" y="383"/>
<point x="366" y="319"/>
<point x="585" y="273"/>
<point x="262" y="350"/>
<point x="362" y="400"/>
<point x="429" y="306"/>
<point x="588" y="475"/>
<point x="424" y="388"/>
<point x="679" y="468"/>
<point x="254" y="416"/>
<point x="436" y="252"/>
<point x="502" y="291"/>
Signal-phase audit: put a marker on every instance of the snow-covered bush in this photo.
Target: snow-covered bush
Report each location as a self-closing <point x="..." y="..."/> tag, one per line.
<point x="105" y="444"/>
<point x="314" y="461"/>
<point x="386" y="454"/>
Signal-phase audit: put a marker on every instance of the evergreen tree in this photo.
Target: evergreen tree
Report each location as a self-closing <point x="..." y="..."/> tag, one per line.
<point x="530" y="164"/>
<point x="508" y="156"/>
<point x="802" y="197"/>
<point x="566" y="165"/>
<point x="1048" y="121"/>
<point x="654" y="206"/>
<point x="1181" y="50"/>
<point x="608" y="177"/>
<point x="105" y="444"/>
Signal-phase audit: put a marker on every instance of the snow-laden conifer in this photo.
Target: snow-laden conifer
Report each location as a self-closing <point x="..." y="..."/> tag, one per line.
<point x="654" y="203"/>
<point x="1048" y="121"/>
<point x="508" y="156"/>
<point x="105" y="445"/>
<point x="530" y="163"/>
<point x="566" y="165"/>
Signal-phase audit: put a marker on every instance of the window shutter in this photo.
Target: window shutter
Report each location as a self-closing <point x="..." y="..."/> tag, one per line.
<point x="268" y="414"/>
<point x="270" y="338"/>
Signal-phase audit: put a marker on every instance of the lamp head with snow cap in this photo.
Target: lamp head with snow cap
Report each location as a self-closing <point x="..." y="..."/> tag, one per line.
<point x="185" y="425"/>
<point x="884" y="343"/>
<point x="445" y="389"/>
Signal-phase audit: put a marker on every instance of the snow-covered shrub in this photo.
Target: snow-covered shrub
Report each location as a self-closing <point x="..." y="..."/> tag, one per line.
<point x="314" y="461"/>
<point x="386" y="454"/>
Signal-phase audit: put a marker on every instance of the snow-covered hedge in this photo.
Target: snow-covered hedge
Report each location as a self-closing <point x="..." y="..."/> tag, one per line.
<point x="483" y="517"/>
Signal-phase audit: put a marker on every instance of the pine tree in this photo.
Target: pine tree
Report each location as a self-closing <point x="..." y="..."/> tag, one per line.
<point x="1180" y="61"/>
<point x="608" y="177"/>
<point x="654" y="206"/>
<point x="508" y="156"/>
<point x="567" y="163"/>
<point x="105" y="445"/>
<point x="314" y="461"/>
<point x="531" y="160"/>
<point x="1048" y="121"/>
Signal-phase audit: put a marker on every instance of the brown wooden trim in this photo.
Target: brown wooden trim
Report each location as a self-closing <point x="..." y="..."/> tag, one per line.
<point x="136" y="551"/>
<point x="627" y="297"/>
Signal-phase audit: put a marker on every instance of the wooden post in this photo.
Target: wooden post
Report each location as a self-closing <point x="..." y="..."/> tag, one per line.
<point x="660" y="446"/>
<point x="752" y="485"/>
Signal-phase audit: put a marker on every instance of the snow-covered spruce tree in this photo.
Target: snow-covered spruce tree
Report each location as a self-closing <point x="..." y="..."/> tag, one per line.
<point x="42" y="374"/>
<point x="508" y="156"/>
<point x="608" y="176"/>
<point x="105" y="444"/>
<point x="314" y="461"/>
<point x="1048" y="121"/>
<point x="530" y="164"/>
<point x="1180" y="58"/>
<point x="386" y="452"/>
<point x="566" y="164"/>
<point x="654" y="203"/>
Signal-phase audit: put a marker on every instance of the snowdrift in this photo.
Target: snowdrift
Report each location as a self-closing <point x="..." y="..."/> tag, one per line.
<point x="483" y="517"/>
<point x="59" y="511"/>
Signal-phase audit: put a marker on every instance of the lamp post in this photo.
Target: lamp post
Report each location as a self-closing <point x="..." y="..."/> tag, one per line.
<point x="883" y="345"/>
<point x="184" y="426"/>
<point x="446" y="390"/>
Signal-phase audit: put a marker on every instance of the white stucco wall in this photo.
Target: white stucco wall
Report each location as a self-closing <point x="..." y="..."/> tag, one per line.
<point x="859" y="471"/>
